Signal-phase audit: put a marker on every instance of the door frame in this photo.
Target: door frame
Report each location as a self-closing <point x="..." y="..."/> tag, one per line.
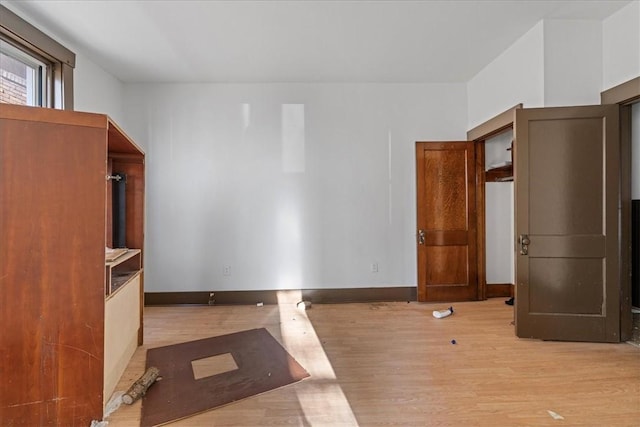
<point x="503" y="122"/>
<point x="625" y="95"/>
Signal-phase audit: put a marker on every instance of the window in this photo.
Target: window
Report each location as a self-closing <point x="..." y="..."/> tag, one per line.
<point x="34" y="68"/>
<point x="23" y="79"/>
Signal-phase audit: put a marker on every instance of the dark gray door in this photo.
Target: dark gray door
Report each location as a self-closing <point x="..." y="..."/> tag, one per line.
<point x="566" y="189"/>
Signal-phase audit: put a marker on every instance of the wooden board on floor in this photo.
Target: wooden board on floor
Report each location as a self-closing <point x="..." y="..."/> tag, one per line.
<point x="262" y="365"/>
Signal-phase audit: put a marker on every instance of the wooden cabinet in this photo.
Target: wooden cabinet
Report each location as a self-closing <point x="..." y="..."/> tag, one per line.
<point x="70" y="321"/>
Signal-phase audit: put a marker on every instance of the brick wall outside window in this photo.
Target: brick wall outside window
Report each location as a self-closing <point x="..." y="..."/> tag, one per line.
<point x="13" y="80"/>
<point x="13" y="88"/>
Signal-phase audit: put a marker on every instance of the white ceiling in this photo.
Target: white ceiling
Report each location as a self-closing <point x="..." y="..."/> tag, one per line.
<point x="298" y="41"/>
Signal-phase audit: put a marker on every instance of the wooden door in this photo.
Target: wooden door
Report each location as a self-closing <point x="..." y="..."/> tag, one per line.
<point x="567" y="223"/>
<point x="446" y="234"/>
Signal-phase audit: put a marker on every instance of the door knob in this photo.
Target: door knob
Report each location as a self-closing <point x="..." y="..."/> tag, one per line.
<point x="524" y="244"/>
<point x="421" y="237"/>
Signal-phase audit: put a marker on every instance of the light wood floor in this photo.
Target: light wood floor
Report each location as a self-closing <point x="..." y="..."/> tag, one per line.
<point x="394" y="364"/>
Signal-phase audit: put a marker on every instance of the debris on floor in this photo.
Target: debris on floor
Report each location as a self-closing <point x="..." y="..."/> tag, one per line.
<point x="439" y="314"/>
<point x="555" y="415"/>
<point x="304" y="305"/>
<point x="260" y="304"/>
<point x="142" y="384"/>
<point x="113" y="404"/>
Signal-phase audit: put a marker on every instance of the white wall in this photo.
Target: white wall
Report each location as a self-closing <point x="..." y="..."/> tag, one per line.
<point x="516" y="76"/>
<point x="572" y="62"/>
<point x="97" y="91"/>
<point x="558" y="62"/>
<point x="621" y="46"/>
<point x="500" y="261"/>
<point x="354" y="204"/>
<point x="221" y="191"/>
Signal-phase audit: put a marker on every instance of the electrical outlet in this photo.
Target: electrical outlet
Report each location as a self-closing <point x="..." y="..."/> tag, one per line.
<point x="226" y="270"/>
<point x="374" y="267"/>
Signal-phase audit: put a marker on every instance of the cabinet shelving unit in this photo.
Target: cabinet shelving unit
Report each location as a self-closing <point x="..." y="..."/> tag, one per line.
<point x="71" y="320"/>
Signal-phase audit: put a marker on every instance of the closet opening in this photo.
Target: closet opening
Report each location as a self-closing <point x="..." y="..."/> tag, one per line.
<point x="499" y="215"/>
<point x="494" y="141"/>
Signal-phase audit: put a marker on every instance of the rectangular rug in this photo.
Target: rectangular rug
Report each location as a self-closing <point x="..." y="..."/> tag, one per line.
<point x="201" y="375"/>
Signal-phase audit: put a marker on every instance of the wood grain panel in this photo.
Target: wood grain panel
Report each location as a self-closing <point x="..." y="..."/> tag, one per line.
<point x="447" y="189"/>
<point x="120" y="143"/>
<point x="448" y="265"/>
<point x="437" y="238"/>
<point x="47" y="115"/>
<point x="134" y="169"/>
<point x="52" y="214"/>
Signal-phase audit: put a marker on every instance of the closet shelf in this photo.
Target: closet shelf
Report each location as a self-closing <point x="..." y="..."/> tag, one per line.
<point x="499" y="174"/>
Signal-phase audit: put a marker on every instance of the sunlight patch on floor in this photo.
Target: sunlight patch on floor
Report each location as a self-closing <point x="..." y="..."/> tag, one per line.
<point x="320" y="396"/>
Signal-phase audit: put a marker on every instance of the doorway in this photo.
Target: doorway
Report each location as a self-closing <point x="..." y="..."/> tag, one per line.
<point x="499" y="214"/>
<point x="560" y="318"/>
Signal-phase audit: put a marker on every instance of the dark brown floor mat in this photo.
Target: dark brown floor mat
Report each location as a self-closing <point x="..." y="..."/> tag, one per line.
<point x="262" y="365"/>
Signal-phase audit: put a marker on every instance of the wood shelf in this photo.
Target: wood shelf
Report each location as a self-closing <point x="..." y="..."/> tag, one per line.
<point x="122" y="270"/>
<point x="499" y="174"/>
